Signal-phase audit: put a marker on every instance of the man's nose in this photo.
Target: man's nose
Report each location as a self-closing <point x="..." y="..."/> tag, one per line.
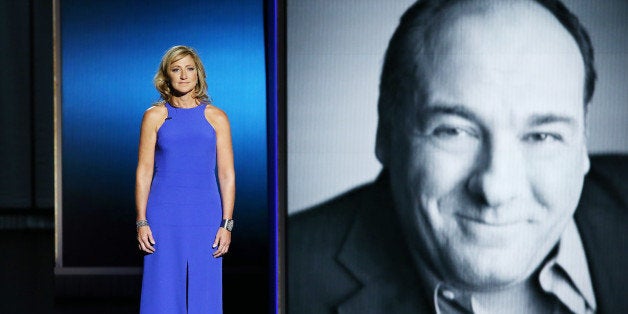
<point x="500" y="173"/>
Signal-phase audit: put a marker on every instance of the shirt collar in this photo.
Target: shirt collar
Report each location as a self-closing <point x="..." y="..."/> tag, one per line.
<point x="566" y="275"/>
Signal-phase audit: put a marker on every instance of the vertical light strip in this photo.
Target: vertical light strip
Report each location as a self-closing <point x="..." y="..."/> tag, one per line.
<point x="280" y="149"/>
<point x="275" y="185"/>
<point x="270" y="43"/>
<point x="31" y="100"/>
<point x="56" y="64"/>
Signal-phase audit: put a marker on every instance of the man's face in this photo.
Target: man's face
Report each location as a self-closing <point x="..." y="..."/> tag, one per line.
<point x="487" y="172"/>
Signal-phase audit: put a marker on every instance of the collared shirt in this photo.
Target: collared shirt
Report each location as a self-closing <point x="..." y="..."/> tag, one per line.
<point x="565" y="277"/>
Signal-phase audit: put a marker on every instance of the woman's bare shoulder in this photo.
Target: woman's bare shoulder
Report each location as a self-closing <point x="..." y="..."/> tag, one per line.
<point x="155" y="112"/>
<point x="154" y="116"/>
<point x="216" y="116"/>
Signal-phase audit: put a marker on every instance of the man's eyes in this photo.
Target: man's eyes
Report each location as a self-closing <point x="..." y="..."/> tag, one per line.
<point x="454" y="138"/>
<point x="542" y="137"/>
<point x="466" y="138"/>
<point x="445" y="132"/>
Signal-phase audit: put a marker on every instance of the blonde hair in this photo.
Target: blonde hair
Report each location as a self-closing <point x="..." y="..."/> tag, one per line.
<point x="162" y="81"/>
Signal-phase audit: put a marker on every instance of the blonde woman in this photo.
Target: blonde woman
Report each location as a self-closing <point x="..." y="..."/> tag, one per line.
<point x="185" y="191"/>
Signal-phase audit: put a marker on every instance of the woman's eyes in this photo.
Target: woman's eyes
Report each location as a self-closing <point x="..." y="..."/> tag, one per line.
<point x="176" y="70"/>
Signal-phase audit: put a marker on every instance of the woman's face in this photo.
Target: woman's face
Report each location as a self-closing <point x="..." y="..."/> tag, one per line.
<point x="183" y="75"/>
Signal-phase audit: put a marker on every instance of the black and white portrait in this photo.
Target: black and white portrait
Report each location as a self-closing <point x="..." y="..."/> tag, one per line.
<point x="463" y="156"/>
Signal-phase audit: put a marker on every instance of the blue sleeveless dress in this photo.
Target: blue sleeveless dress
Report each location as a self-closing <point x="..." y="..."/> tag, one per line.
<point x="184" y="211"/>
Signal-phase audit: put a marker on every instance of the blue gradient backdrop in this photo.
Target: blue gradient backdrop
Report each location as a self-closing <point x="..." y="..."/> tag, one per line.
<point x="110" y="52"/>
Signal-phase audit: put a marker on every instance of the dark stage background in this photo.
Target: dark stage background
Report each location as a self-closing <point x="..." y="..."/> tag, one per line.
<point x="109" y="54"/>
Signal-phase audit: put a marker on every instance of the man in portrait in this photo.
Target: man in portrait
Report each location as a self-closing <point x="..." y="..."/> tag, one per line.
<point x="488" y="201"/>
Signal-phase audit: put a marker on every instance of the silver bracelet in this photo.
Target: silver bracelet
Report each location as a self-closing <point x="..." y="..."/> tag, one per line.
<point x="227" y="224"/>
<point x="141" y="223"/>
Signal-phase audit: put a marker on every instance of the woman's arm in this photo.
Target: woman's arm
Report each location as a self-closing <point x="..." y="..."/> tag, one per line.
<point x="226" y="174"/>
<point x="151" y="121"/>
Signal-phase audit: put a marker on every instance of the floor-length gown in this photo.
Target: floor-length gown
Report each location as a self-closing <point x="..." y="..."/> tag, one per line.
<point x="184" y="211"/>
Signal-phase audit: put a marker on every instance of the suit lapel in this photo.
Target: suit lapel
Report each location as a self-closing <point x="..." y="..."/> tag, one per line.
<point x="376" y="255"/>
<point x="601" y="219"/>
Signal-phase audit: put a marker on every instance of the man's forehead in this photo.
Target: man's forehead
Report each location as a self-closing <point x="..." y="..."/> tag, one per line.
<point x="514" y="55"/>
<point x="449" y="10"/>
<point x="501" y="48"/>
<point x="503" y="22"/>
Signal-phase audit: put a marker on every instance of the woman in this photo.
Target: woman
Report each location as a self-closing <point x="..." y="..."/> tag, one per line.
<point x="184" y="139"/>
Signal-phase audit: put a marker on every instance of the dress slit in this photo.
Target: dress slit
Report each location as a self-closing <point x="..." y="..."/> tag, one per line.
<point x="187" y="285"/>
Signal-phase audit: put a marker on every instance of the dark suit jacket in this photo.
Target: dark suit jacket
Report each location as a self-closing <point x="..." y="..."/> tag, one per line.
<point x="348" y="256"/>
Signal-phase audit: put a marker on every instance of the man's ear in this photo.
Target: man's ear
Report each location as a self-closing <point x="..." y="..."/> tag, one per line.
<point x="586" y="163"/>
<point x="382" y="145"/>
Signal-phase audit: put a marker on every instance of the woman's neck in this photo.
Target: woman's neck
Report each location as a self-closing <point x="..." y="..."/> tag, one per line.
<point x="185" y="101"/>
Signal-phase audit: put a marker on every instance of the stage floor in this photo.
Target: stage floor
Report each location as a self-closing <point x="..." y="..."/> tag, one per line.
<point x="27" y="282"/>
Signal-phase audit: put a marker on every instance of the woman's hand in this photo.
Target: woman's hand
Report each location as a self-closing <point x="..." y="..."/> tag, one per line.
<point x="222" y="241"/>
<point x="145" y="239"/>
